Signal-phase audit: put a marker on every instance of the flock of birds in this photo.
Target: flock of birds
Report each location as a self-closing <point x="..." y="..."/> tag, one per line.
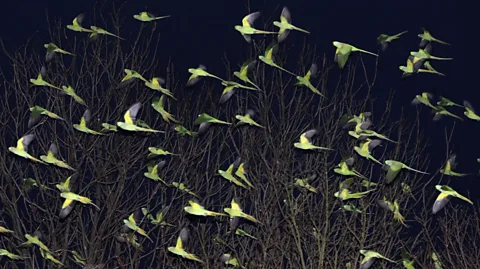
<point x="236" y="173"/>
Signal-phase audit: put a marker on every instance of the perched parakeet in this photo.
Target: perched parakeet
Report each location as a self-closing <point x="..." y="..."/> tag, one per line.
<point x="48" y="256"/>
<point x="407" y="261"/>
<point x="130" y="118"/>
<point x="285" y="25"/>
<point x="22" y="147"/>
<point x="148" y="17"/>
<point x="444" y="197"/>
<point x="305" y="142"/>
<point x="246" y="29"/>
<point x="384" y="39"/>
<point x="343" y="51"/>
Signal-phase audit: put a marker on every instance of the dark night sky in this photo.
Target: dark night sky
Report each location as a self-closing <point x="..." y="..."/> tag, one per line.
<point x="202" y="32"/>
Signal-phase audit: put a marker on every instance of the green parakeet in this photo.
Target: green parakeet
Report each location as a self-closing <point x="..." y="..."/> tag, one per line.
<point x="441" y="111"/>
<point x="82" y="127"/>
<point x="52" y="159"/>
<point x="345" y="194"/>
<point x="228" y="175"/>
<point x="52" y="49"/>
<point x="246" y="29"/>
<point x="345" y="167"/>
<point x="470" y="111"/>
<point x="130" y="118"/>
<point x="77" y="24"/>
<point x="244" y="70"/>
<point x="148" y="17"/>
<point x="427" y="38"/>
<point x="158" y="219"/>
<point x="370" y="257"/>
<point x="305" y="80"/>
<point x="303" y="183"/>
<point x="183" y="188"/>
<point x="68" y="90"/>
<point x="22" y="147"/>
<point x="4" y="252"/>
<point x="343" y="51"/>
<point x="39" y="81"/>
<point x="35" y="240"/>
<point x="444" y="197"/>
<point x="447" y="102"/>
<point x="268" y="58"/>
<point x="384" y="39"/>
<point x="179" y="250"/>
<point x="204" y="120"/>
<point x="285" y="25"/>
<point x="131" y="223"/>
<point x="366" y="149"/>
<point x="100" y="31"/>
<point x="422" y="54"/>
<point x="198" y="210"/>
<point x="36" y="113"/>
<point x="156" y="84"/>
<point x="306" y="143"/>
<point x="198" y="73"/>
<point x="387" y="205"/>
<point x="236" y="211"/>
<point x="152" y="172"/>
<point x="240" y="170"/>
<point x="158" y="105"/>
<point x="248" y="119"/>
<point x="449" y="166"/>
<point x="159" y="152"/>
<point x="393" y="168"/>
<point x="78" y="198"/>
<point x="228" y="259"/>
<point x="181" y="130"/>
